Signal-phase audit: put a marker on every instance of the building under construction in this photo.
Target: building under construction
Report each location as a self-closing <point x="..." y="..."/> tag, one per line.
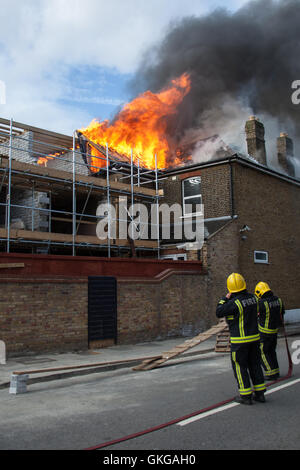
<point x="63" y="288"/>
<point x="51" y="188"/>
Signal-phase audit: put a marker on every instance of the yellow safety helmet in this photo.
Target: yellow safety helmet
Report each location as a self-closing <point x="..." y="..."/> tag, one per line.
<point x="236" y="283"/>
<point x="261" y="288"/>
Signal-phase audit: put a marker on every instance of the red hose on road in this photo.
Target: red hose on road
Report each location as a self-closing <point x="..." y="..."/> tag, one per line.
<point x="290" y="370"/>
<point x="195" y="413"/>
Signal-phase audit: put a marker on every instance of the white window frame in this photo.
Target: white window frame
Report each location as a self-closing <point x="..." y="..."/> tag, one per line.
<point x="261" y="261"/>
<point x="186" y="198"/>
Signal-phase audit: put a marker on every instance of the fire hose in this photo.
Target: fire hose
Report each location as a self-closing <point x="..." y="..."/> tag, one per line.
<point x="195" y="413"/>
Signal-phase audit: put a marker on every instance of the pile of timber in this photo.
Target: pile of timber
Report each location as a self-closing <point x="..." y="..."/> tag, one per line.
<point x="223" y="341"/>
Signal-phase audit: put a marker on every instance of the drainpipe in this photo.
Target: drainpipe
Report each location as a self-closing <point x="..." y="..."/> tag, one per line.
<point x="231" y="191"/>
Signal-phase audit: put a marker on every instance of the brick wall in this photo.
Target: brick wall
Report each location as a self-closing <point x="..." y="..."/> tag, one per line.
<point x="220" y="257"/>
<point x="172" y="190"/>
<point x="216" y="191"/>
<point x="176" y="306"/>
<point x="215" y="188"/>
<point x="271" y="208"/>
<point x="41" y="315"/>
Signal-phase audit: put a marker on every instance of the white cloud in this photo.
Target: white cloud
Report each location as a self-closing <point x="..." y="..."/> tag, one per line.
<point x="41" y="41"/>
<point x="110" y="34"/>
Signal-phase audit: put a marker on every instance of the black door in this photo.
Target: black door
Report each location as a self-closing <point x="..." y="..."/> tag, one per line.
<point x="102" y="308"/>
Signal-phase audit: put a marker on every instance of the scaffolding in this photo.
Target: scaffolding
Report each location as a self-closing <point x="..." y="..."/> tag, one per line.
<point x="50" y="188"/>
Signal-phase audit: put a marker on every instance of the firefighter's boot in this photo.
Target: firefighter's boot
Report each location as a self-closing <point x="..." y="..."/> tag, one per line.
<point x="244" y="400"/>
<point x="259" y="396"/>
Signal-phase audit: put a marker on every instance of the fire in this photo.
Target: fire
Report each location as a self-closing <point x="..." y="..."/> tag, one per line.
<point x="43" y="160"/>
<point x="140" y="127"/>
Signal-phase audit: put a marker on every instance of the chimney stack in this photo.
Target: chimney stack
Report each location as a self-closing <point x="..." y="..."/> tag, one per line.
<point x="285" y="152"/>
<point x="255" y="137"/>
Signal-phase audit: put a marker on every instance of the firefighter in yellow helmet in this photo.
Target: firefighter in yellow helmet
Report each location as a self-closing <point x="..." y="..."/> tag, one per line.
<point x="240" y="309"/>
<point x="271" y="311"/>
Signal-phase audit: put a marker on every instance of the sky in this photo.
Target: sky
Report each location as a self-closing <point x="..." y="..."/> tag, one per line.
<point x="66" y="62"/>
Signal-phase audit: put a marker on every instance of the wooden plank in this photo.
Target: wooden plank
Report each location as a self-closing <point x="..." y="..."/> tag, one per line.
<point x="65" y="219"/>
<point x="82" y="366"/>
<point x="21" y="183"/>
<point x="62" y="237"/>
<point x="6" y="131"/>
<point x="11" y="265"/>
<point x="26" y="127"/>
<point x="97" y="183"/>
<point x="151" y="364"/>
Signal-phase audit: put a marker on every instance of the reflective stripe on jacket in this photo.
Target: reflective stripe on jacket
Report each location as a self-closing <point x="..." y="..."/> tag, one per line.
<point x="271" y="311"/>
<point x="240" y="312"/>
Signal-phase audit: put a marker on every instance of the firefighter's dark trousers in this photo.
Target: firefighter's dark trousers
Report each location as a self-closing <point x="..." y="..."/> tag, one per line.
<point x="246" y="364"/>
<point x="268" y="344"/>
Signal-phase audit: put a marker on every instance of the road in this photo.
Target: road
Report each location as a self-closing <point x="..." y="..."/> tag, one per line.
<point x="79" y="413"/>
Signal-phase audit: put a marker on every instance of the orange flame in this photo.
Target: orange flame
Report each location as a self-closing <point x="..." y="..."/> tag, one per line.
<point x="51" y="156"/>
<point x="43" y="160"/>
<point x="141" y="126"/>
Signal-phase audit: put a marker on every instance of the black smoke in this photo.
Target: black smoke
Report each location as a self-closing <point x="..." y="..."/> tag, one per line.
<point x="249" y="57"/>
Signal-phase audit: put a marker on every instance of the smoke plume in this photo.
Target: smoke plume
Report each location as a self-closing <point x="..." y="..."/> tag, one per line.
<point x="240" y="64"/>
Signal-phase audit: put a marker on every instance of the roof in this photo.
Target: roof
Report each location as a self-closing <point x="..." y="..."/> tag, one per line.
<point x="47" y="142"/>
<point x="244" y="160"/>
<point x="211" y="227"/>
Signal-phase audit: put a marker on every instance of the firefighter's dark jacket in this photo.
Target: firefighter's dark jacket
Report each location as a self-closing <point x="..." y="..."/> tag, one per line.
<point x="271" y="311"/>
<point x="240" y="312"/>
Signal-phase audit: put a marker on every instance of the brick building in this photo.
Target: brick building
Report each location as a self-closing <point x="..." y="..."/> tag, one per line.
<point x="252" y="226"/>
<point x="252" y="217"/>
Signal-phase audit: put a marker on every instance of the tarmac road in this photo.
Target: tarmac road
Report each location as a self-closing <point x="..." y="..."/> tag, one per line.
<point x="80" y="412"/>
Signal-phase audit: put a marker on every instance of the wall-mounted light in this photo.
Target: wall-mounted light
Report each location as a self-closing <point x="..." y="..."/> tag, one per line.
<point x="245" y="229"/>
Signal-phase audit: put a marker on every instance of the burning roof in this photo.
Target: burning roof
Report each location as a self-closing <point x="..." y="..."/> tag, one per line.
<point x="147" y="127"/>
<point x="145" y="131"/>
<point x="142" y="126"/>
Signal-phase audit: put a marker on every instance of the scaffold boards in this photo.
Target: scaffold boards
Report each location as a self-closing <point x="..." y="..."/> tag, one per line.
<point x="181" y="348"/>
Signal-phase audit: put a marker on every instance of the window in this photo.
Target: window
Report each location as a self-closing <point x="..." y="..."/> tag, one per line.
<point x="191" y="196"/>
<point x="261" y="257"/>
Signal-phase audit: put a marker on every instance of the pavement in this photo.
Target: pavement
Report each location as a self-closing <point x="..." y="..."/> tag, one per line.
<point x="98" y="360"/>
